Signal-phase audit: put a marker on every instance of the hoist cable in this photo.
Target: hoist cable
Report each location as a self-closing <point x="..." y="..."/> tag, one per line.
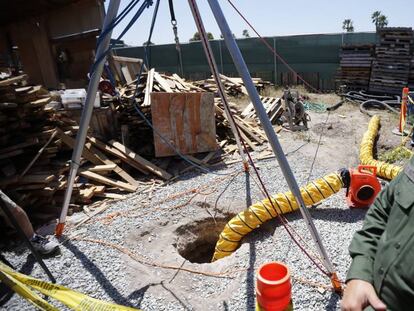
<point x="283" y="220"/>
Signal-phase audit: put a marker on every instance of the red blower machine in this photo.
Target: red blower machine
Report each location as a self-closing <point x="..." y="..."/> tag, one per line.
<point x="363" y="187"/>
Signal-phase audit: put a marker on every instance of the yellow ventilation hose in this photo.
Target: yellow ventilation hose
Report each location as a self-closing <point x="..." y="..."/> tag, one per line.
<point x="248" y="220"/>
<point x="366" y="154"/>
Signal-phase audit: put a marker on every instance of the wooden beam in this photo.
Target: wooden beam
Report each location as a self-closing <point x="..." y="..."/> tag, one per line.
<point x="40" y="178"/>
<point x="118" y="154"/>
<point x="110" y="195"/>
<point x="86" y="153"/>
<point x="102" y="168"/>
<point x="161" y="81"/>
<point x="13" y="80"/>
<point x="148" y="88"/>
<point x="117" y="170"/>
<point x="108" y="181"/>
<point x="136" y="158"/>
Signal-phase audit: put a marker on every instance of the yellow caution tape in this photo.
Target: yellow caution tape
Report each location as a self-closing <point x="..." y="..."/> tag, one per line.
<point x="23" y="285"/>
<point x="25" y="292"/>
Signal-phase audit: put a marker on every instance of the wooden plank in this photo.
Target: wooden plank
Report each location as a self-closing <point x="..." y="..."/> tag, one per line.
<point x="102" y="168"/>
<point x="162" y="82"/>
<point x="247" y="140"/>
<point x="40" y="179"/>
<point x="13" y="80"/>
<point x="41" y="102"/>
<point x="181" y="82"/>
<point x="148" y="88"/>
<point x="247" y="110"/>
<point x="99" y="189"/>
<point x="114" y="151"/>
<point x="86" y="153"/>
<point x="118" y="170"/>
<point x="108" y="181"/>
<point x="110" y="195"/>
<point x="135" y="157"/>
<point x="87" y="193"/>
<point x="126" y="74"/>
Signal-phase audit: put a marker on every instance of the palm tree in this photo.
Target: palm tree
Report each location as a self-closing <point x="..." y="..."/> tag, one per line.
<point x="379" y="19"/>
<point x="348" y="25"/>
<point x="246" y="33"/>
<point x="382" y="21"/>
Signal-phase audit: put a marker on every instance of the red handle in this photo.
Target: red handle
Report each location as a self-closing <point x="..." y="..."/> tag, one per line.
<point x="369" y="168"/>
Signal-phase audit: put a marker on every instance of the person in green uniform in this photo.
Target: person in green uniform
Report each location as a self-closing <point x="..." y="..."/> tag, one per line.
<point x="381" y="276"/>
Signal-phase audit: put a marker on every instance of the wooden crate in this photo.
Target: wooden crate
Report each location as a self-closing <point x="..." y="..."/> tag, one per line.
<point x="186" y="120"/>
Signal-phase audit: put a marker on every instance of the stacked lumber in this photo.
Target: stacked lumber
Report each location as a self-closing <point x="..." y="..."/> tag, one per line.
<point x="36" y="144"/>
<point x="252" y="134"/>
<point x="355" y="66"/>
<point x="233" y="86"/>
<point x="273" y="106"/>
<point x="391" y="67"/>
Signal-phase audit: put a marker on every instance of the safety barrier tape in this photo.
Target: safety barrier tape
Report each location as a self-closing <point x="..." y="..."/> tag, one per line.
<point x="24" y="286"/>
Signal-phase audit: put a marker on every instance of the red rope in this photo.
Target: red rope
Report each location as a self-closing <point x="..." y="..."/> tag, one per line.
<point x="272" y="49"/>
<point x="282" y="218"/>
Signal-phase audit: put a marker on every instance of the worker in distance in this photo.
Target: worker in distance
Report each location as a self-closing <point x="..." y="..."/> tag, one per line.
<point x="381" y="275"/>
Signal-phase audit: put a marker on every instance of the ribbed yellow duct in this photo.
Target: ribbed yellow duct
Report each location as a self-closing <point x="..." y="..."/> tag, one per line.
<point x="366" y="154"/>
<point x="248" y="220"/>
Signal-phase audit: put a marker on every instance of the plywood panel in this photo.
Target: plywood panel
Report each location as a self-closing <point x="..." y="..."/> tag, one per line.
<point x="186" y="120"/>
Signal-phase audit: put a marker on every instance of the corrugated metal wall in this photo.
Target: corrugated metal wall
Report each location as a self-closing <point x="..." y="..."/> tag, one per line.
<point x="315" y="57"/>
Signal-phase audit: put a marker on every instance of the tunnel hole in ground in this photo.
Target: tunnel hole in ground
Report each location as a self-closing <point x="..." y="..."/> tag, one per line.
<point x="197" y="240"/>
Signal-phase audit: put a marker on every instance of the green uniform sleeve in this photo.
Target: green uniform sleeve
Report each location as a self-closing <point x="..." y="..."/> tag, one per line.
<point x="364" y="244"/>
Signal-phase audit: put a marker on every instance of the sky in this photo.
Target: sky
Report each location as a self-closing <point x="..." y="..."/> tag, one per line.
<point x="269" y="17"/>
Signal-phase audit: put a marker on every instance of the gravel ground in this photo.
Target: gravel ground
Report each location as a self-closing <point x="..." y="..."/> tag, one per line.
<point x="105" y="273"/>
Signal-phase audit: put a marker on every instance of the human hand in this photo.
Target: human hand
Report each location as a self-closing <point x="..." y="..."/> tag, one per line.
<point x="360" y="294"/>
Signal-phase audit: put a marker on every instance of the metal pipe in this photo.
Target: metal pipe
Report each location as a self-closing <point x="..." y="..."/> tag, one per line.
<point x="267" y="126"/>
<point x="214" y="70"/>
<point x="87" y="111"/>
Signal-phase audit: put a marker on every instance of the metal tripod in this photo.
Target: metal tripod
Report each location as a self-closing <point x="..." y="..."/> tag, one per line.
<point x="271" y="135"/>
